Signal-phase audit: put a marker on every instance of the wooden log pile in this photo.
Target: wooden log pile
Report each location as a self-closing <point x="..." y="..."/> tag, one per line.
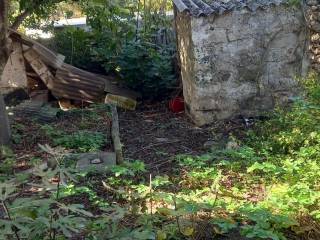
<point x="44" y="74"/>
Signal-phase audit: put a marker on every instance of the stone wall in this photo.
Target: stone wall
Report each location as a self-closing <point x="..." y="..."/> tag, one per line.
<point x="243" y="62"/>
<point x="312" y="15"/>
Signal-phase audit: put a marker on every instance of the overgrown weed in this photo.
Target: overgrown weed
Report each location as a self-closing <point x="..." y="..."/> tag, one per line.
<point x="268" y="188"/>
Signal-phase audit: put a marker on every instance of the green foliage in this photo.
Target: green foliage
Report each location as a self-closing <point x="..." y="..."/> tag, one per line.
<point x="116" y="45"/>
<point x="146" y="69"/>
<point x="295" y="3"/>
<point x="264" y="189"/>
<point x="112" y="24"/>
<point x="39" y="216"/>
<point x="225" y="225"/>
<point x="266" y="224"/>
<point x="76" y="45"/>
<point x="7" y="160"/>
<point x="142" y="66"/>
<point x="38" y="11"/>
<point x="128" y="168"/>
<point x="82" y="140"/>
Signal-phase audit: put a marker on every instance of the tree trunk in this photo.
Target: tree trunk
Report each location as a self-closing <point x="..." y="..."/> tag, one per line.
<point x="5" y="133"/>
<point x="4" y="123"/>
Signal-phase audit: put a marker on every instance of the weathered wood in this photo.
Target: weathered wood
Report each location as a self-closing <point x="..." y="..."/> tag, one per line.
<point x="40" y="95"/>
<point x="39" y="66"/>
<point x="111" y="87"/>
<point x="3" y="34"/>
<point x="14" y="74"/>
<point x="76" y="84"/>
<point x="47" y="56"/>
<point x="5" y="133"/>
<point x="120" y="101"/>
<point x="115" y="134"/>
<point x="67" y="81"/>
<point x="4" y="123"/>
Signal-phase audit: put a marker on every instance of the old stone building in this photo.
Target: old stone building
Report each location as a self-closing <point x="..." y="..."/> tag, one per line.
<point x="239" y="57"/>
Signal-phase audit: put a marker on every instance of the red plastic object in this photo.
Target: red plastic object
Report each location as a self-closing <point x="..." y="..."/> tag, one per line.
<point x="176" y="104"/>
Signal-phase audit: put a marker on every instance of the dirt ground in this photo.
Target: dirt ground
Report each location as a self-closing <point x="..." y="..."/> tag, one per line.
<point x="155" y="135"/>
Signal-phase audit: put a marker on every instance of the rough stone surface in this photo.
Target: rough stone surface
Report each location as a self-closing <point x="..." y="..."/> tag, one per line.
<point x="241" y="62"/>
<point x="312" y="15"/>
<point x="95" y="161"/>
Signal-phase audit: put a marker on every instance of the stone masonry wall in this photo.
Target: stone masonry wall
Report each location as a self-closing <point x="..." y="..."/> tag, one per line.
<point x="244" y="62"/>
<point x="312" y="15"/>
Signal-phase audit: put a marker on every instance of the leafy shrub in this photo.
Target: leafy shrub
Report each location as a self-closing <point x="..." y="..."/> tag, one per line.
<point x="42" y="215"/>
<point x="7" y="160"/>
<point x="266" y="224"/>
<point x="83" y="141"/>
<point x="117" y="44"/>
<point x="146" y="69"/>
<point x="142" y="66"/>
<point x="76" y="45"/>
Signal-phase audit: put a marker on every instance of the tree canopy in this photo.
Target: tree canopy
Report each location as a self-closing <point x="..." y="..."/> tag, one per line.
<point x="32" y="13"/>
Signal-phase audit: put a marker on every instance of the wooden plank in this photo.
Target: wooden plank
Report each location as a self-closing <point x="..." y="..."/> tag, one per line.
<point x="73" y="83"/>
<point x="107" y="81"/>
<point x="14" y="75"/>
<point x="115" y="134"/>
<point x="49" y="57"/>
<point x="112" y="88"/>
<point x="120" y="101"/>
<point x="39" y="66"/>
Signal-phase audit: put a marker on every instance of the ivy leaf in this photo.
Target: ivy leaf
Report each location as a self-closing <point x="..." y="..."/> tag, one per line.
<point x="187" y="231"/>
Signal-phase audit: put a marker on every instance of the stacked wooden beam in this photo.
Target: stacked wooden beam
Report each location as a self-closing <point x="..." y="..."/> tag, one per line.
<point x="37" y="68"/>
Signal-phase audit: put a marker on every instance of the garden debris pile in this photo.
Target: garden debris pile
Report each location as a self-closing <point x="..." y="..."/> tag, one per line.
<point x="45" y="76"/>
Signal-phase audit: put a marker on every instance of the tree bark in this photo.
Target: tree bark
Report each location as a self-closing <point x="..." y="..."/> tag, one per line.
<point x="4" y="55"/>
<point x="5" y="133"/>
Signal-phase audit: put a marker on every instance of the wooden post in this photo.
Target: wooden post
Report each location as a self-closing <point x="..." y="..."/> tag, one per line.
<point x="5" y="133"/>
<point x="115" y="134"/>
<point x="4" y="123"/>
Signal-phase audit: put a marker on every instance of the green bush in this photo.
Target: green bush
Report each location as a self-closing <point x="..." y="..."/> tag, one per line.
<point x="83" y="141"/>
<point x="76" y="45"/>
<point x="7" y="160"/>
<point x="146" y="69"/>
<point x="142" y="66"/>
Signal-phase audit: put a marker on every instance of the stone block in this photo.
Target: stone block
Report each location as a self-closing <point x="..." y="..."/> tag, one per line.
<point x="236" y="67"/>
<point x="95" y="161"/>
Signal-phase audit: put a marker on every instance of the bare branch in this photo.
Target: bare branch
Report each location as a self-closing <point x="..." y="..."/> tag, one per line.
<point x="19" y="19"/>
